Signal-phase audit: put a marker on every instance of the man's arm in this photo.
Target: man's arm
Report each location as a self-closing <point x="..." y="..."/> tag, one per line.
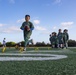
<point x="67" y="36"/>
<point x="22" y="27"/>
<point x="31" y="26"/>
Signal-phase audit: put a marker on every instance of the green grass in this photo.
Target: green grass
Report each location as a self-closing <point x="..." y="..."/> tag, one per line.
<point x="56" y="67"/>
<point x="73" y="49"/>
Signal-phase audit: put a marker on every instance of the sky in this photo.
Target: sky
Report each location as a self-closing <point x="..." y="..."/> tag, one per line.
<point x="46" y="15"/>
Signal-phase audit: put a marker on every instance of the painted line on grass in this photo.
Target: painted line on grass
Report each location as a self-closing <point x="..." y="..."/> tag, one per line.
<point x="30" y="57"/>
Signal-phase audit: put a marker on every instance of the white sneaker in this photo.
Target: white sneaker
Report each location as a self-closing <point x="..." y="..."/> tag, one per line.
<point x="64" y="48"/>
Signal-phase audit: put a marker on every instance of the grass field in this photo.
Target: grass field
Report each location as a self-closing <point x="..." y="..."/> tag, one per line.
<point x="65" y="66"/>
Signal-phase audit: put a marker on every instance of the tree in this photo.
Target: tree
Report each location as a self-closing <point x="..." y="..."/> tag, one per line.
<point x="10" y="44"/>
<point x="22" y="43"/>
<point x="0" y="44"/>
<point x="72" y="43"/>
<point x="40" y="44"/>
<point x="43" y="43"/>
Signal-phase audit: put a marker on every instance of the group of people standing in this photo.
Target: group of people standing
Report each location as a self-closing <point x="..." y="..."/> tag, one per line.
<point x="59" y="40"/>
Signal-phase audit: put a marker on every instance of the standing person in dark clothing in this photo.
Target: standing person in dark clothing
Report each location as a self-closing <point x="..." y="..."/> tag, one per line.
<point x="65" y="38"/>
<point x="60" y="39"/>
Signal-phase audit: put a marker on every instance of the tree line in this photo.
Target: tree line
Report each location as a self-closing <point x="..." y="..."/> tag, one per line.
<point x="71" y="43"/>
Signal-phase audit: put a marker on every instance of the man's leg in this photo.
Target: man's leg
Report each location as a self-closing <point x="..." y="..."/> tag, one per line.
<point x="4" y="48"/>
<point x="66" y="45"/>
<point x="26" y="39"/>
<point x="30" y="41"/>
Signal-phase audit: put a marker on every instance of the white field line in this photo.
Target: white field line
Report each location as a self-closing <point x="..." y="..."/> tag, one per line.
<point x="47" y="57"/>
<point x="48" y="51"/>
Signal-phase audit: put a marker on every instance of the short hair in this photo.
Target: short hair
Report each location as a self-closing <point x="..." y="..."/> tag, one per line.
<point x="52" y="32"/>
<point x="59" y="29"/>
<point x="50" y="35"/>
<point x="65" y="30"/>
<point x="27" y="16"/>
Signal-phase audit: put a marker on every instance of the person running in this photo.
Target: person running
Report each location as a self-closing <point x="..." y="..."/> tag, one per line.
<point x="27" y="28"/>
<point x="4" y="42"/>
